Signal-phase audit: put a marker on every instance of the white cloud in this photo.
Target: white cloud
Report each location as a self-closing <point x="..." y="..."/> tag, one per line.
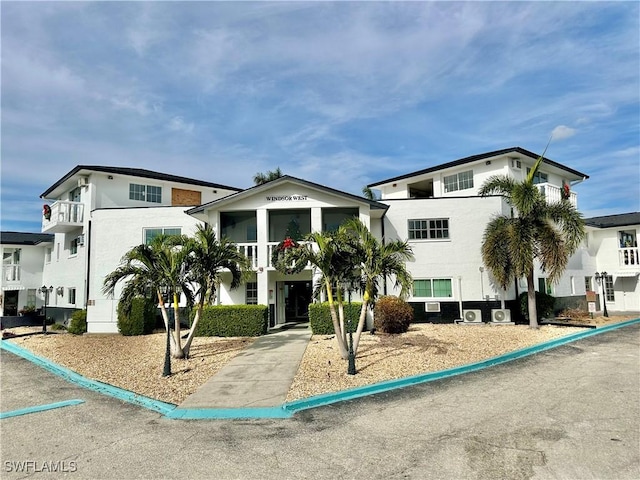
<point x="177" y="124"/>
<point x="562" y="131"/>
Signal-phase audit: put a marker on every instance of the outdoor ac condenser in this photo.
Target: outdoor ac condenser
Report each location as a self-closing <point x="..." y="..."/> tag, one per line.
<point x="501" y="316"/>
<point x="472" y="316"/>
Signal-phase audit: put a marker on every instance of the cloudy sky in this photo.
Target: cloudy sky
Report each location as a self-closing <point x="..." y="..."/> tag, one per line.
<point x="343" y="94"/>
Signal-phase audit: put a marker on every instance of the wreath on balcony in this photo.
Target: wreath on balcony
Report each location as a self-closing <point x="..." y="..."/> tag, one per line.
<point x="282" y="260"/>
<point x="46" y="211"/>
<point x="565" y="193"/>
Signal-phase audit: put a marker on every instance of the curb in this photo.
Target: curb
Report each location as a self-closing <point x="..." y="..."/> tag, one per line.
<point x="287" y="410"/>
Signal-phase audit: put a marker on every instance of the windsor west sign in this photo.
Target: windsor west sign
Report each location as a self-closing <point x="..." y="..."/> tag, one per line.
<point x="287" y="198"/>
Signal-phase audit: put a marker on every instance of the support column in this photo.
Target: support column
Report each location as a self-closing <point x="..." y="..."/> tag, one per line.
<point x="262" y="221"/>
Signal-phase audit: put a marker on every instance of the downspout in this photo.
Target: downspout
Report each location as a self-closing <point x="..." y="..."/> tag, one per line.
<point x="88" y="263"/>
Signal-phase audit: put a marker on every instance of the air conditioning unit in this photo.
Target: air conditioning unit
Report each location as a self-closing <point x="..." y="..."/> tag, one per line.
<point x="472" y="316"/>
<point x="80" y="240"/>
<point x="83" y="181"/>
<point x="501" y="316"/>
<point x="432" y="306"/>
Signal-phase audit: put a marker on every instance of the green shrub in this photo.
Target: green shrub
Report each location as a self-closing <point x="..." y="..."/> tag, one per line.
<point x="58" y="326"/>
<point x="233" y="321"/>
<point x="78" y="323"/>
<point x="544" y="304"/>
<point x="320" y="317"/>
<point x="139" y="320"/>
<point x="392" y="315"/>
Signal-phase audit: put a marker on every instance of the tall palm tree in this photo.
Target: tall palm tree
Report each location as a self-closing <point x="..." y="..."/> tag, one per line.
<point x="548" y="232"/>
<point x="375" y="261"/>
<point x="158" y="267"/>
<point x="369" y="194"/>
<point x="208" y="258"/>
<point x="260" y="178"/>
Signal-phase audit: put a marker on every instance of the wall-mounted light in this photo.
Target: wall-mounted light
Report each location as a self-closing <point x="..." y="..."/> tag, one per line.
<point x="110" y="177"/>
<point x="60" y="291"/>
<point x="488" y="162"/>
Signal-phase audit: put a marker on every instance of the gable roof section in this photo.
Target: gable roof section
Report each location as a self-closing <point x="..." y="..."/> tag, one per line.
<point x="475" y="158"/>
<point x="135" y="172"/>
<point x="286" y="179"/>
<point x="24" y="238"/>
<point x="619" y="220"/>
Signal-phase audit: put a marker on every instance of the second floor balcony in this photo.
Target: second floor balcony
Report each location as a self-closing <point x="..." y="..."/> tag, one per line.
<point x="63" y="217"/>
<point x="628" y="257"/>
<point x="11" y="273"/>
<point x="553" y="194"/>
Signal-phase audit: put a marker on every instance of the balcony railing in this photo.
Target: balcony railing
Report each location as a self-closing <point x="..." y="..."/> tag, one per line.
<point x="11" y="273"/>
<point x="553" y="194"/>
<point x="250" y="250"/>
<point x="628" y="256"/>
<point x="270" y="248"/>
<point x="65" y="216"/>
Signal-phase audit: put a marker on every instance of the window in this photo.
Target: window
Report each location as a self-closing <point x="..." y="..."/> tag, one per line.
<point x="72" y="296"/>
<point x="433" y="287"/>
<point x="31" y="297"/>
<point x="539" y="177"/>
<point x="252" y="293"/>
<point x="145" y="193"/>
<point x="544" y="286"/>
<point x="73" y="246"/>
<point x="459" y="181"/>
<point x="47" y="255"/>
<point x="608" y="284"/>
<point x="572" y="282"/>
<point x="151" y="233"/>
<point x="429" y="229"/>
<point x="588" y="284"/>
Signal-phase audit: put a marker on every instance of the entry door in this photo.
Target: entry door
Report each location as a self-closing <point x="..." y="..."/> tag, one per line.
<point x="11" y="303"/>
<point x="297" y="299"/>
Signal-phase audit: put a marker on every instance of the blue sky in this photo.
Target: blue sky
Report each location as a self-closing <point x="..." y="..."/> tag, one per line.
<point x="343" y="94"/>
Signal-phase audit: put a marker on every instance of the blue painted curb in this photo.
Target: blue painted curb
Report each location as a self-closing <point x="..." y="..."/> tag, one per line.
<point x="73" y="377"/>
<point x="287" y="410"/>
<point x="40" y="408"/>
<point x="353" y="393"/>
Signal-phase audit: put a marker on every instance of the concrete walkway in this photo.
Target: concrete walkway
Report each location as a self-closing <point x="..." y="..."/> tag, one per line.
<point x="260" y="376"/>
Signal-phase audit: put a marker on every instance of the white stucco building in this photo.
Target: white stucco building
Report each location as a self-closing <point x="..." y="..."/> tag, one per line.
<point x="99" y="213"/>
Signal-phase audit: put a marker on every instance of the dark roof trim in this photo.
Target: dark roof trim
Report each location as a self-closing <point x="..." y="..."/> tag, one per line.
<point x="25" y="238"/>
<point x="475" y="158"/>
<point x="619" y="220"/>
<point x="136" y="172"/>
<point x="287" y="178"/>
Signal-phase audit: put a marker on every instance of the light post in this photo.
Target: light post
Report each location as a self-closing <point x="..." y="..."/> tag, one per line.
<point x="45" y="291"/>
<point x="601" y="278"/>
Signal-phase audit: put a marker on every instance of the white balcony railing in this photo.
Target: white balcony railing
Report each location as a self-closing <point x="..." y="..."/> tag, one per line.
<point x="553" y="194"/>
<point x="270" y="248"/>
<point x="64" y="217"/>
<point x="11" y="273"/>
<point x="250" y="250"/>
<point x="628" y="256"/>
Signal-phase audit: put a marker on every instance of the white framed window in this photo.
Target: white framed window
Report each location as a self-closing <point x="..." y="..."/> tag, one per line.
<point x="458" y="181"/>
<point x="539" y="177"/>
<point x="588" y="284"/>
<point x="251" y="293"/>
<point x="428" y="228"/>
<point x="544" y="286"/>
<point x="572" y="282"/>
<point x="433" y="288"/>
<point x="47" y="255"/>
<point x="151" y="233"/>
<point x="145" y="193"/>
<point x="73" y="247"/>
<point x="608" y="283"/>
<point x="72" y="296"/>
<point x="31" y="297"/>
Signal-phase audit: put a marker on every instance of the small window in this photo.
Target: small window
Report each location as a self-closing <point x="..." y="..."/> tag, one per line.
<point x="588" y="284"/>
<point x="544" y="286"/>
<point x="252" y="293"/>
<point x="430" y="229"/>
<point x="609" y="288"/>
<point x="459" y="181"/>
<point x="47" y="255"/>
<point x="145" y="193"/>
<point x="151" y="233"/>
<point x="72" y="296"/>
<point x="572" y="281"/>
<point x="433" y="288"/>
<point x="73" y="246"/>
<point x="539" y="177"/>
<point x="31" y="297"/>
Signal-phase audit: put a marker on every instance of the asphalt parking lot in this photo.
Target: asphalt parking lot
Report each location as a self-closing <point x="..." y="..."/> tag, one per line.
<point x="571" y="412"/>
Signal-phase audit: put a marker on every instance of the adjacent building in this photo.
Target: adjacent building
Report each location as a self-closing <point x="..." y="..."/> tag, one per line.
<point x="94" y="215"/>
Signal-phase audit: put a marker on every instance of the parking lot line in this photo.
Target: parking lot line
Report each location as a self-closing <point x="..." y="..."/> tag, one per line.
<point x="40" y="408"/>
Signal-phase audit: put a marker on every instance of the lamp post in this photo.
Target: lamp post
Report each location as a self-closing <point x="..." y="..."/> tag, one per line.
<point x="601" y="278"/>
<point x="45" y="291"/>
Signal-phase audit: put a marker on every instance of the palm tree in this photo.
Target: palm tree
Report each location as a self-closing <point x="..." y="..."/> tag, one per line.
<point x="369" y="194"/>
<point x="374" y="261"/>
<point x="160" y="268"/>
<point x="548" y="232"/>
<point x="207" y="260"/>
<point x="260" y="178"/>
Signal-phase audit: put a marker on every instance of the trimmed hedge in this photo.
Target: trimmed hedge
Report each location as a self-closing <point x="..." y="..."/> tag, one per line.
<point x="78" y="322"/>
<point x="233" y="321"/>
<point x="320" y="317"/>
<point x="392" y="315"/>
<point x="544" y="305"/>
<point x="140" y="320"/>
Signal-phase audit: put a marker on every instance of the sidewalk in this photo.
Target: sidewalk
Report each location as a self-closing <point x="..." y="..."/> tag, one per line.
<point x="260" y="376"/>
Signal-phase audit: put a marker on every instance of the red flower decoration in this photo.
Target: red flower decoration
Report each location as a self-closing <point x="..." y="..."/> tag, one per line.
<point x="288" y="243"/>
<point x="566" y="191"/>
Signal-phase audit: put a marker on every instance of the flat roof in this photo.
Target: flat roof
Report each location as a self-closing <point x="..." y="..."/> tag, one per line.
<point x="25" y="238"/>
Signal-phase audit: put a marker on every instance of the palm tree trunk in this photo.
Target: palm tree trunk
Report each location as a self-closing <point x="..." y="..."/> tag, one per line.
<point x="531" y="301"/>
<point x="342" y="345"/>
<point x="178" y="352"/>
<point x="187" y="344"/>
<point x="165" y="317"/>
<point x="361" y="321"/>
